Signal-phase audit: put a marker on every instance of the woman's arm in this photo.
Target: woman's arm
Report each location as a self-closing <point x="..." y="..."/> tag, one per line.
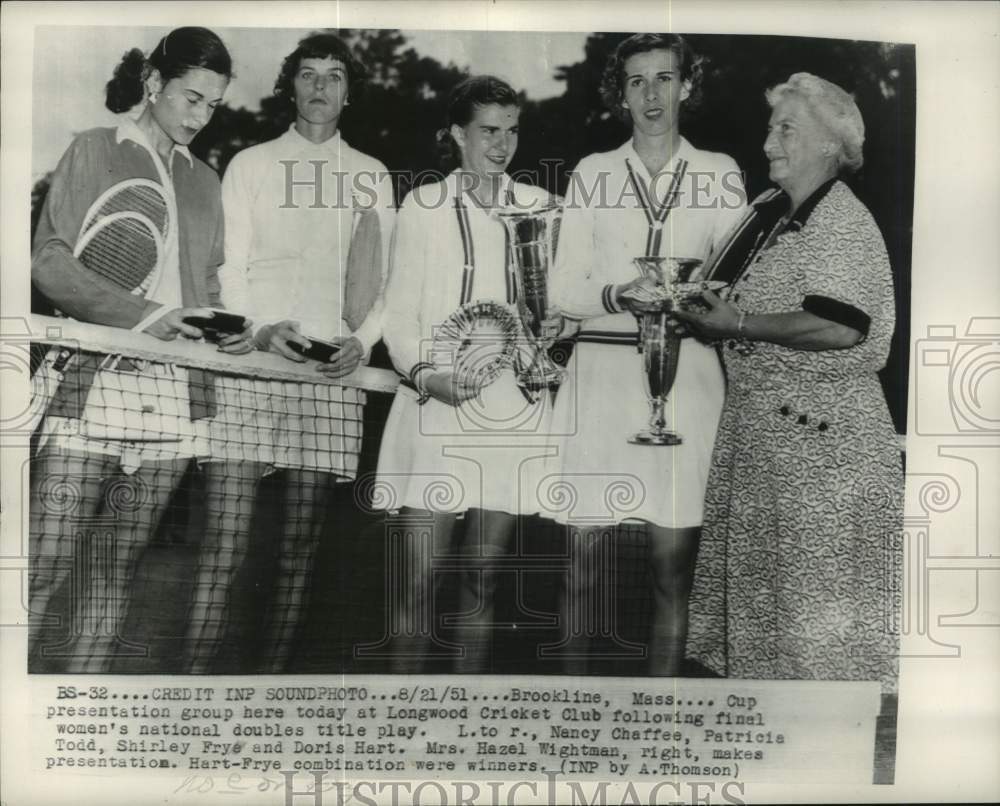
<point x="575" y="286"/>
<point x="71" y="287"/>
<point x="401" y="323"/>
<point x="237" y="206"/>
<point x="800" y="330"/>
<point x="370" y="330"/>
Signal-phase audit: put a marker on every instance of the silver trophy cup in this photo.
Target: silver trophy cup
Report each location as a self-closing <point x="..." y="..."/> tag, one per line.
<point x="533" y="238"/>
<point x="659" y="344"/>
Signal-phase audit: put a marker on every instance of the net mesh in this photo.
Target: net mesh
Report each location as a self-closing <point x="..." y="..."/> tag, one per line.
<point x="194" y="512"/>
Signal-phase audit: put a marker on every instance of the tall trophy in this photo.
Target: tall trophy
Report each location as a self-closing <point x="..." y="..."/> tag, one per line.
<point x="659" y="344"/>
<point x="534" y="234"/>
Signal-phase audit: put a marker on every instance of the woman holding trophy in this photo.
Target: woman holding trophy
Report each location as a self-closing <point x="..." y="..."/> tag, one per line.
<point x="656" y="196"/>
<point x="799" y="570"/>
<point x="463" y="433"/>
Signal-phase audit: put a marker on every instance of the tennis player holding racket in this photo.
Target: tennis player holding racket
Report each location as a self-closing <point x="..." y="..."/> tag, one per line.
<point x="131" y="236"/>
<point x="451" y="446"/>
<point x="308" y="221"/>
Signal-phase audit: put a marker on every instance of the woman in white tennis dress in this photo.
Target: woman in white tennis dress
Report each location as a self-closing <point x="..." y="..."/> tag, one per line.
<point x="451" y="446"/>
<point x="656" y="195"/>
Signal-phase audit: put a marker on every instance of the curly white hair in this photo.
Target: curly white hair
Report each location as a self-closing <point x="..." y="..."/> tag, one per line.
<point x="833" y="108"/>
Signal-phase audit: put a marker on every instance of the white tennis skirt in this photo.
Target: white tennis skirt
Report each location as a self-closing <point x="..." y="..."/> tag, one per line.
<point x="484" y="454"/>
<point x="140" y="413"/>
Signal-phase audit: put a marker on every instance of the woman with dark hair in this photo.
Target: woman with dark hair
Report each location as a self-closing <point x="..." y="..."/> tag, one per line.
<point x="798" y="573"/>
<point x="308" y="221"/>
<point x="451" y="444"/>
<point x="656" y="195"/>
<point x="118" y="434"/>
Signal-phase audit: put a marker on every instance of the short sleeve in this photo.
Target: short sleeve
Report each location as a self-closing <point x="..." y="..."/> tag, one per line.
<point x="847" y="278"/>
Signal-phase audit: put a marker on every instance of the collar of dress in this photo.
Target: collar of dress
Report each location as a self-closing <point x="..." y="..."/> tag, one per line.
<point x="629" y="153"/>
<point x="335" y="145"/>
<point x="777" y="203"/>
<point x="506" y="186"/>
<point x="128" y="129"/>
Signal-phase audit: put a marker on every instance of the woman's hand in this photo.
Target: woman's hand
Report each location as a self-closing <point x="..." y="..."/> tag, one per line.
<point x="275" y="338"/>
<point x="633" y="294"/>
<point x="171" y="325"/>
<point x="447" y="387"/>
<point x="345" y="360"/>
<point x="720" y="322"/>
<point x="238" y="343"/>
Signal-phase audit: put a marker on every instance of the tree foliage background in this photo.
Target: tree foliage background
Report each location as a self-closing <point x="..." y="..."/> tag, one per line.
<point x="405" y="98"/>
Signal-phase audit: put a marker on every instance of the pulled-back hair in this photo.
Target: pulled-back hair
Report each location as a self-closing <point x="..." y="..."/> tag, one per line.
<point x="613" y="80"/>
<point x="465" y="98"/>
<point x="318" y="46"/>
<point x="181" y="50"/>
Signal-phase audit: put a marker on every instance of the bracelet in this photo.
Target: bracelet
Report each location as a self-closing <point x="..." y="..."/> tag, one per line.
<point x="742" y="344"/>
<point x="417" y="369"/>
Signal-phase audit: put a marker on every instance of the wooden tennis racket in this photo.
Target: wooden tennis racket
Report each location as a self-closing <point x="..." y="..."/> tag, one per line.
<point x="123" y="235"/>
<point x="121" y="239"/>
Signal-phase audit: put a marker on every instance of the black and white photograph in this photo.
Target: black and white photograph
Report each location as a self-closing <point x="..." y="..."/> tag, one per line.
<point x="409" y="398"/>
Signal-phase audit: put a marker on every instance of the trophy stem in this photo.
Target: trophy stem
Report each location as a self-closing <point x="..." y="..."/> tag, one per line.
<point x="657" y="434"/>
<point x="658" y="422"/>
<point x="660" y="349"/>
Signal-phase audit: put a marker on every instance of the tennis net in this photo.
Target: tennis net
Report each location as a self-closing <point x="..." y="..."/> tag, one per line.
<point x="135" y="438"/>
<point x="185" y="516"/>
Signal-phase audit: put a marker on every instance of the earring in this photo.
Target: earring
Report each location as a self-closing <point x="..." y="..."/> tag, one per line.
<point x="153" y="97"/>
<point x="347" y="102"/>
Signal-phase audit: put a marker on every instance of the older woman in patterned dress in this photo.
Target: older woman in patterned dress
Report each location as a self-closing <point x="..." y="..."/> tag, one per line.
<point x="797" y="574"/>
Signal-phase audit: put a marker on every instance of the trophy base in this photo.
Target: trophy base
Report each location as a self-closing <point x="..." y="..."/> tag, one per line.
<point x="653" y="438"/>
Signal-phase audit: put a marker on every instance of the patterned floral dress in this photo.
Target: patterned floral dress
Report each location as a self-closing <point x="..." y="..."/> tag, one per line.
<point x="798" y="572"/>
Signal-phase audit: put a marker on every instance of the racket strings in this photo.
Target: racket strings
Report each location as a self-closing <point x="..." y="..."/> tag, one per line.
<point x="142" y="199"/>
<point x="123" y="250"/>
<point x="123" y="234"/>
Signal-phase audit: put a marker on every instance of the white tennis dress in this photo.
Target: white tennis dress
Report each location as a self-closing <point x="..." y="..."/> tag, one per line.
<point x="482" y="454"/>
<point x="598" y="477"/>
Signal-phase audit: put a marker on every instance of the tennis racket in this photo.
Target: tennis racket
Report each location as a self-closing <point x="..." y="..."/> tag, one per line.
<point x="123" y="234"/>
<point x="121" y="239"/>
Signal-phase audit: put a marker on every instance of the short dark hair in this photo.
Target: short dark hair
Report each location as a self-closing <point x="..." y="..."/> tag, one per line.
<point x="181" y="50"/>
<point x="465" y="98"/>
<point x="613" y="80"/>
<point x="318" y="46"/>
